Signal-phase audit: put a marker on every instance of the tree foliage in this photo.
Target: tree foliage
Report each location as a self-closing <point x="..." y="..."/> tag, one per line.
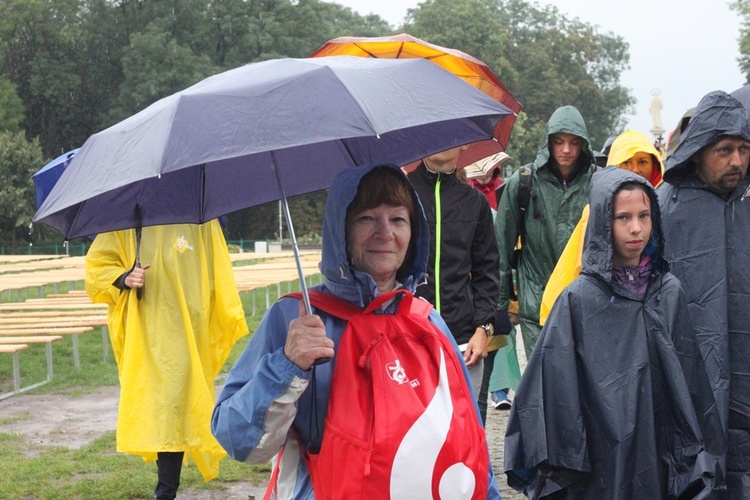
<point x="11" y="107"/>
<point x="742" y="8"/>
<point x="19" y="159"/>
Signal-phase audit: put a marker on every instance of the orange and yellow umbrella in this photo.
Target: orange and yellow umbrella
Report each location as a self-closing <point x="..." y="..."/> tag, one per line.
<point x="461" y="64"/>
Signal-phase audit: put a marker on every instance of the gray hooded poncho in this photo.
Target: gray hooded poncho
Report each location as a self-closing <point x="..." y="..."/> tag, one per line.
<point x="604" y="408"/>
<point x="708" y="248"/>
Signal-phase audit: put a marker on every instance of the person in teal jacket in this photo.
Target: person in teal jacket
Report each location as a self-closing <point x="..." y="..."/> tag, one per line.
<point x="561" y="175"/>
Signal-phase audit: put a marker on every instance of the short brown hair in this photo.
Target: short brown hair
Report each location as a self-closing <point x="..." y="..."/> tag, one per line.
<point x="385" y="186"/>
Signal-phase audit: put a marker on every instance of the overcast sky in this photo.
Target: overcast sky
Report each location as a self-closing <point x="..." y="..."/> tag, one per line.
<point x="683" y="48"/>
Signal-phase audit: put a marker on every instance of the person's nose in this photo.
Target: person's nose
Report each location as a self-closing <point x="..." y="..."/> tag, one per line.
<point x="636" y="227"/>
<point x="383" y="229"/>
<point x="735" y="159"/>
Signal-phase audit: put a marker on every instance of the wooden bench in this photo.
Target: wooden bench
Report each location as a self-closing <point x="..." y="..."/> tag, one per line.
<point x="42" y="313"/>
<point x="50" y="304"/>
<point x="14" y="345"/>
<point x="72" y="331"/>
<point x="14" y="349"/>
<point x="37" y="322"/>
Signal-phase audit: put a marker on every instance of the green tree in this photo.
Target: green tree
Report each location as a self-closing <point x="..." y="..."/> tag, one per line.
<point x="39" y="56"/>
<point x="742" y="8"/>
<point x="561" y="61"/>
<point x="155" y="65"/>
<point x="11" y="107"/>
<point x="19" y="159"/>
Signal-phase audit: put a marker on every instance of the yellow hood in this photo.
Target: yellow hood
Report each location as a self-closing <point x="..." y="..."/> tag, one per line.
<point x="628" y="144"/>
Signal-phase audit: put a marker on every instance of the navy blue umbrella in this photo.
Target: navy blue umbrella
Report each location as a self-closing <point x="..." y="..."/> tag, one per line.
<point x="47" y="176"/>
<point x="262" y="132"/>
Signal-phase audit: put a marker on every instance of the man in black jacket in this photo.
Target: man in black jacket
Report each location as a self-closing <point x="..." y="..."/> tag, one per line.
<point x="463" y="281"/>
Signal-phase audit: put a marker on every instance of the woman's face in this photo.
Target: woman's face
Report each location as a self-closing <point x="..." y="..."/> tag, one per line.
<point x="641" y="163"/>
<point x="376" y="242"/>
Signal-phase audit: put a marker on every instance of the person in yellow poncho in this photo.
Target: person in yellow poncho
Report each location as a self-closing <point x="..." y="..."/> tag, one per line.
<point x="632" y="151"/>
<point x="170" y="344"/>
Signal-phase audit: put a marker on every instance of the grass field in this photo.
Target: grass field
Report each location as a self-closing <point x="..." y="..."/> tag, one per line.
<point x="97" y="470"/>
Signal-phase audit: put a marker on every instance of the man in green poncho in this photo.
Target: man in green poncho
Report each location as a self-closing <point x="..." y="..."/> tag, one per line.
<point x="560" y="178"/>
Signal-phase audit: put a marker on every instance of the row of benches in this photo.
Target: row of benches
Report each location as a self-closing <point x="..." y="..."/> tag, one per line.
<point x="50" y="319"/>
<point x="45" y="321"/>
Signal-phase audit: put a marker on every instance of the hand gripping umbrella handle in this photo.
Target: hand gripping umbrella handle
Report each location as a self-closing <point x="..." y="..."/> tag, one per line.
<point x="295" y="249"/>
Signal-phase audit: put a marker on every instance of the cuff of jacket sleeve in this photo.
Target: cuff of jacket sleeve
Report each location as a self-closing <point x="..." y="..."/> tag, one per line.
<point x="287" y="367"/>
<point x="120" y="282"/>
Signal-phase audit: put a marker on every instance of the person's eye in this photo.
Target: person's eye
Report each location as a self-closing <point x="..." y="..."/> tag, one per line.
<point x="399" y="220"/>
<point x="744" y="150"/>
<point x="621" y="217"/>
<point x="645" y="216"/>
<point x="365" y="218"/>
<point x="723" y="151"/>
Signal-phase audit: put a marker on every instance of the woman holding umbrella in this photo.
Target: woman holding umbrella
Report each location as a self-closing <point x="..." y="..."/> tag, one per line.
<point x="375" y="241"/>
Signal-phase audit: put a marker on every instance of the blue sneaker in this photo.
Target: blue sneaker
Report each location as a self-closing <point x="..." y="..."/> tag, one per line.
<point x="500" y="400"/>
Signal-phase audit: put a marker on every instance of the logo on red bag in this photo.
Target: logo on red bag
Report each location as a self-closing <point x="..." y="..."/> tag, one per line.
<point x="396" y="372"/>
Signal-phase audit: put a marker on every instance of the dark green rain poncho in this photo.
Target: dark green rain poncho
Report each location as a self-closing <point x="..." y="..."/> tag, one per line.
<point x="554" y="211"/>
<point x="708" y="248"/>
<point x="605" y="407"/>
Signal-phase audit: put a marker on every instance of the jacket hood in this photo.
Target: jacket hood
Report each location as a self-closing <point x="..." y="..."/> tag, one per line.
<point x="565" y="120"/>
<point x="628" y="144"/>
<point x="344" y="281"/>
<point x="717" y="115"/>
<point x="598" y="247"/>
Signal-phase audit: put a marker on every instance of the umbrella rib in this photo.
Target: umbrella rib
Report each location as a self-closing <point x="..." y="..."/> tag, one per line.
<point x="366" y="51"/>
<point x="203" y="194"/>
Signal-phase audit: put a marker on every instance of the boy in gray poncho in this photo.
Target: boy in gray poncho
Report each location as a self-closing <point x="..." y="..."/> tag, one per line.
<point x="604" y="408"/>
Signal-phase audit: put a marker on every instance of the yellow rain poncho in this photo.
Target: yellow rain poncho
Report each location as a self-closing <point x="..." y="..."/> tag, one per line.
<point x="568" y="267"/>
<point x="171" y="344"/>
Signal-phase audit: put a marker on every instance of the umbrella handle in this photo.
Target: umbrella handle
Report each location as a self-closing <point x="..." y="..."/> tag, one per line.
<point x="295" y="249"/>
<point x="138" y="291"/>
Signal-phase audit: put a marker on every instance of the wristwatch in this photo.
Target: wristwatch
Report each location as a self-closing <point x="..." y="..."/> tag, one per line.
<point x="489" y="329"/>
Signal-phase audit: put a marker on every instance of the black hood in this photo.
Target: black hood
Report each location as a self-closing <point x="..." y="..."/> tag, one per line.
<point x="716" y="116"/>
<point x="598" y="249"/>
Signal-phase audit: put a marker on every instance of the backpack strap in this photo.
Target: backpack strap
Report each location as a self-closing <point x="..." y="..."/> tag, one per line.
<point x="272" y="488"/>
<point x="329" y="303"/>
<point x="524" y="198"/>
<point x="346" y="310"/>
<point x="420" y="307"/>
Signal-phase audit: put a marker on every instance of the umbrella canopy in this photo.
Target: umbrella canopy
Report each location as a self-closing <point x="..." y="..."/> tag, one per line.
<point x="219" y="145"/>
<point x="466" y="67"/>
<point x="47" y="176"/>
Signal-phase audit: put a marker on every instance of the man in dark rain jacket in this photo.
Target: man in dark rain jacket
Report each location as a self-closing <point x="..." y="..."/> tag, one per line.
<point x="462" y="278"/>
<point x="707" y="232"/>
<point x="560" y="178"/>
<point x="604" y="408"/>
